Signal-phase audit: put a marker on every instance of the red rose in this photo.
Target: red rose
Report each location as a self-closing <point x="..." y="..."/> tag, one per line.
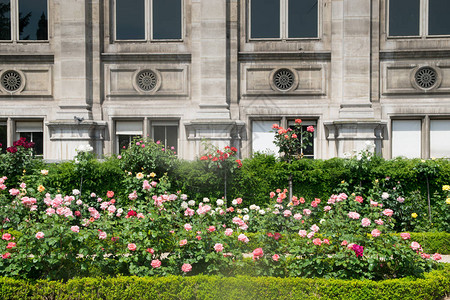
<point x="110" y="194"/>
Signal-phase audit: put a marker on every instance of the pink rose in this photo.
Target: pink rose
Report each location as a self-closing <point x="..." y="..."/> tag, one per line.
<point x="425" y="256"/>
<point x="10" y="245"/>
<point x="353" y="215"/>
<point x="150" y="250"/>
<point x="258" y="253"/>
<point x="310" y="129"/>
<point x="415" y="246"/>
<point x="327" y="208"/>
<point x="243" y="238"/>
<point x="401" y="199"/>
<point x="75" y="229"/>
<point x="315" y="228"/>
<point x="187" y="227"/>
<point x="14" y="192"/>
<point x="405" y="235"/>
<point x="379" y="222"/>
<point x="102" y="235"/>
<point x="156" y="263"/>
<point x="211" y="228"/>
<point x="40" y="235"/>
<point x="218" y="247"/>
<point x="275" y="257"/>
<point x="6" y="236"/>
<point x="311" y="234"/>
<point x="287" y="213"/>
<point x="388" y="212"/>
<point x="228" y="232"/>
<point x="365" y="222"/>
<point x="302" y="233"/>
<point x="375" y="233"/>
<point x="186" y="268"/>
<point x="359" y="199"/>
<point x="306" y="212"/>
<point x="6" y="255"/>
<point x="326" y="241"/>
<point x="344" y="243"/>
<point x="298" y="216"/>
<point x="132" y="247"/>
<point x="437" y="256"/>
<point x="183" y="242"/>
<point x="350" y="246"/>
<point x="317" y="242"/>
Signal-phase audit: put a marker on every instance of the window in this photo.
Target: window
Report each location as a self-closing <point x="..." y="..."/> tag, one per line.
<point x="407" y="138"/>
<point x="418" y="18"/>
<point x="263" y="136"/>
<point x="440" y="138"/>
<point x="307" y="152"/>
<point x="283" y="19"/>
<point x="23" y="20"/>
<point x="148" y="19"/>
<point x="33" y="132"/>
<point x="3" y="135"/>
<point x="166" y="133"/>
<point x="126" y="131"/>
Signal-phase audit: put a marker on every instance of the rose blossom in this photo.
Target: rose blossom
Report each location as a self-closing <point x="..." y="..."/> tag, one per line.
<point x="437" y="256"/>
<point x="6" y="255"/>
<point x="344" y="243"/>
<point x="405" y="235"/>
<point x="359" y="199"/>
<point x="186" y="268"/>
<point x="102" y="235"/>
<point x="353" y="215"/>
<point x="385" y="195"/>
<point x="326" y="241"/>
<point x="187" y="227"/>
<point x="298" y="216"/>
<point x="6" y="236"/>
<point x="379" y="222"/>
<point x="388" y="212"/>
<point x="306" y="212"/>
<point x="287" y="213"/>
<point x="131" y="247"/>
<point x="258" y="253"/>
<point x="243" y="238"/>
<point x="302" y="233"/>
<point x="401" y="199"/>
<point x="327" y="208"/>
<point x="40" y="235"/>
<point x="11" y="245"/>
<point x="75" y="229"/>
<point x="228" y="232"/>
<point x="183" y="242"/>
<point x="218" y="247"/>
<point x="156" y="263"/>
<point x="211" y="228"/>
<point x="317" y="242"/>
<point x="315" y="228"/>
<point x="375" y="233"/>
<point x="415" y="246"/>
<point x="311" y="234"/>
<point x="275" y="257"/>
<point x="365" y="222"/>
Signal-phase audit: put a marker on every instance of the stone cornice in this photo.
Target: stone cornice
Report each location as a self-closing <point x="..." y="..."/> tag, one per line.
<point x="24" y="58"/>
<point x="140" y="57"/>
<point x="413" y="54"/>
<point x="262" y="56"/>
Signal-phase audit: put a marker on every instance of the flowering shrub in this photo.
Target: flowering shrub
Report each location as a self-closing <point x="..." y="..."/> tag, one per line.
<point x="153" y="233"/>
<point x="291" y="142"/>
<point x="16" y="159"/>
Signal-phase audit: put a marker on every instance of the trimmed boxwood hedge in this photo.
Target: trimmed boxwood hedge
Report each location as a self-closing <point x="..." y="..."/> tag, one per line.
<point x="434" y="285"/>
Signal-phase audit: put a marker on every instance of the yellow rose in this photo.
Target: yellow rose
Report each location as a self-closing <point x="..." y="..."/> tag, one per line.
<point x="376" y="180"/>
<point x="423" y="160"/>
<point x="152" y="174"/>
<point x="343" y="181"/>
<point x="44" y="172"/>
<point x="414" y="215"/>
<point x="446" y="188"/>
<point x="447" y="201"/>
<point x="139" y="175"/>
<point x="41" y="188"/>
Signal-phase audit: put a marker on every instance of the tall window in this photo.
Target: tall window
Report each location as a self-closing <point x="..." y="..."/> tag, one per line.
<point x="166" y="133"/>
<point x="23" y="20"/>
<point x="263" y="136"/>
<point x="308" y="151"/>
<point x="33" y="132"/>
<point x="126" y="131"/>
<point x="148" y="19"/>
<point x="440" y="138"/>
<point x="283" y="19"/>
<point x="418" y="17"/>
<point x="407" y="138"/>
<point x="3" y="136"/>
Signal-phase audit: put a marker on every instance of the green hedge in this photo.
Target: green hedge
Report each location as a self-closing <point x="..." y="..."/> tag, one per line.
<point x="434" y="285"/>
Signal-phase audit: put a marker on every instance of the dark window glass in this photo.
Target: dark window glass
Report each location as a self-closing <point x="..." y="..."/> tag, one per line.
<point x="5" y="21"/>
<point x="3" y="137"/>
<point x="33" y="20"/>
<point x="438" y="18"/>
<point x="167" y="19"/>
<point x="265" y="18"/>
<point x="124" y="142"/>
<point x="130" y="19"/>
<point x="307" y="152"/>
<point x="167" y="135"/>
<point x="302" y="18"/>
<point x="37" y="138"/>
<point x="404" y="17"/>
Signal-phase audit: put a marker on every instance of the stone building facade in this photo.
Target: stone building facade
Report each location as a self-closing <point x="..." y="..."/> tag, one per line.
<point x="99" y="72"/>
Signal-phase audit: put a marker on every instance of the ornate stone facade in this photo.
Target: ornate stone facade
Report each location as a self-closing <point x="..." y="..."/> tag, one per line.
<point x="218" y="76"/>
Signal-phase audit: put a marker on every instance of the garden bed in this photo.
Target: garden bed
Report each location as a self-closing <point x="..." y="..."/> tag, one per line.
<point x="434" y="285"/>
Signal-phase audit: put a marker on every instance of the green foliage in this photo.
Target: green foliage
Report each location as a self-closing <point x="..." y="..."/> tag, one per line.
<point x="434" y="285"/>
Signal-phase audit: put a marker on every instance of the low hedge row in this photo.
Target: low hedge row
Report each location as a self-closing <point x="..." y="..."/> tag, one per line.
<point x="434" y="285"/>
<point x="431" y="242"/>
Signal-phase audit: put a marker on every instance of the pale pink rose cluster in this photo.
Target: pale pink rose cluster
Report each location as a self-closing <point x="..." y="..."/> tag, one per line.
<point x="257" y="253"/>
<point x="327" y="208"/>
<point x="315" y="228"/>
<point x="189" y="212"/>
<point x="186" y="268"/>
<point x="287" y="213"/>
<point x="415" y="246"/>
<point x="353" y="215"/>
<point x="156" y="263"/>
<point x="337" y="198"/>
<point x="405" y="235"/>
<point x="240" y="223"/>
<point x="379" y="222"/>
<point x="29" y="202"/>
<point x="228" y="232"/>
<point x="75" y="229"/>
<point x="243" y="238"/>
<point x="40" y="235"/>
<point x="306" y="212"/>
<point x="365" y="222"/>
<point x="388" y="212"/>
<point x="375" y="233"/>
<point x="298" y="216"/>
<point x="218" y="247"/>
<point x="203" y="209"/>
<point x="187" y="227"/>
<point x="133" y="196"/>
<point x="14" y="192"/>
<point x="146" y="185"/>
<point x="131" y="247"/>
<point x="6" y="236"/>
<point x="102" y="235"/>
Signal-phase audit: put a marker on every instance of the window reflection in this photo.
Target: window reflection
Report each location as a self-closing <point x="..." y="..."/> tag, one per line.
<point x="33" y="23"/>
<point x="439" y="22"/>
<point x="302" y="18"/>
<point x="265" y="18"/>
<point x="167" y="19"/>
<point x="404" y="17"/>
<point x="5" y="20"/>
<point x="130" y="19"/>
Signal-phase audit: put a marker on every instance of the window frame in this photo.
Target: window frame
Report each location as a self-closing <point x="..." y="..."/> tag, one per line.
<point x="284" y="23"/>
<point x="116" y="135"/>
<point x="148" y="23"/>
<point x="17" y="133"/>
<point x="166" y="123"/>
<point x="14" y="24"/>
<point x="423" y="23"/>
